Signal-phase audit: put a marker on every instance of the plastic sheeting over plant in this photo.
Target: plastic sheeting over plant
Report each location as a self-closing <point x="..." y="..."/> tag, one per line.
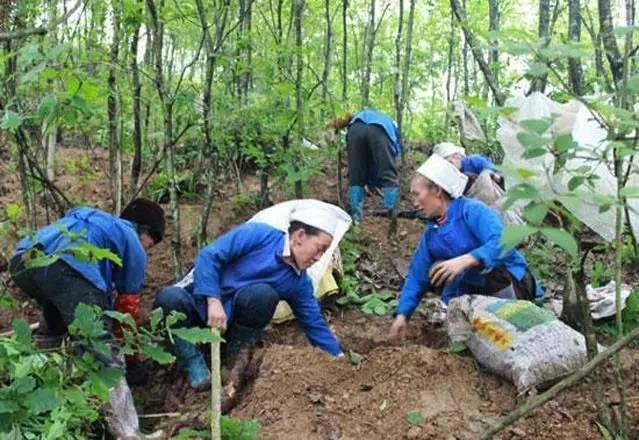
<point x="593" y="156"/>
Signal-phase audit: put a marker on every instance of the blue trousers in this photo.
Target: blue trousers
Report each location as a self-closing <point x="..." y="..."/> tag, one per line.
<point x="253" y="306"/>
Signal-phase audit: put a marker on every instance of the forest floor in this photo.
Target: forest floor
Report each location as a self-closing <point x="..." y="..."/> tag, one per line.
<point x="298" y="392"/>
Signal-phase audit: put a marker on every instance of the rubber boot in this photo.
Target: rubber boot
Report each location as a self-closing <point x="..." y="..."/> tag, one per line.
<point x="191" y="360"/>
<point x="391" y="197"/>
<point x="356" y="197"/>
<point x="121" y="417"/>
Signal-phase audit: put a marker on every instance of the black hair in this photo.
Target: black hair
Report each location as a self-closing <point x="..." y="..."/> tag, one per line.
<point x="308" y="229"/>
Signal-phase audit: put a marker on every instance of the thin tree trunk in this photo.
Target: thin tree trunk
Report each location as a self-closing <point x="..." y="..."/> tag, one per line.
<point x="50" y="135"/>
<point x="136" y="166"/>
<point x="344" y="51"/>
<point x="460" y="15"/>
<point x="328" y="41"/>
<point x="157" y="31"/>
<point x="398" y="59"/>
<point x="368" y="61"/>
<point x="539" y="84"/>
<point x="575" y="73"/>
<point x="609" y="42"/>
<point x="493" y="26"/>
<point x="115" y="160"/>
<point x="465" y="60"/>
<point x="299" y="77"/>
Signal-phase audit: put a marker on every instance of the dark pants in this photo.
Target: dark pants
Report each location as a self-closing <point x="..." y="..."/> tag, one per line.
<point x="370" y="156"/>
<point x="58" y="289"/>
<point x="253" y="307"/>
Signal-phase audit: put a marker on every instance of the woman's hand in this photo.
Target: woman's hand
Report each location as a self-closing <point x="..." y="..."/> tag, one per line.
<point x="216" y="314"/>
<point x="448" y="270"/>
<point x="398" y="330"/>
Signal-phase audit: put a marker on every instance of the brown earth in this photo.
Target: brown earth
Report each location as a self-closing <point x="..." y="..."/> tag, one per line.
<point x="300" y="393"/>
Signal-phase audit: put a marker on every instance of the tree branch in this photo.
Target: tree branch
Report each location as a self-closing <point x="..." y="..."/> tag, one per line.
<point x="41" y="30"/>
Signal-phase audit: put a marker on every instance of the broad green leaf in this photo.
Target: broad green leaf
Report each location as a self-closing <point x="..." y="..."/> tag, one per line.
<point x="456" y="347"/>
<point x="157" y="354"/>
<point x="98" y="387"/>
<point x="565" y="143"/>
<point x="562" y="239"/>
<point x="124" y="318"/>
<point x="532" y="153"/>
<point x="21" y="331"/>
<point x="538" y="70"/>
<point x="155" y="318"/>
<point x="515" y="234"/>
<point x="8" y="406"/>
<point x="575" y="182"/>
<point x="57" y="430"/>
<point x="633" y="83"/>
<point x="621" y="31"/>
<point x="87" y="322"/>
<point x="630" y="191"/>
<point x="42" y="400"/>
<point x="539" y="126"/>
<point x="535" y="213"/>
<point x="415" y="417"/>
<point x="48" y="106"/>
<point x="24" y="385"/>
<point x="531" y="140"/>
<point x="11" y="121"/>
<point x="196" y="335"/>
<point x="110" y="376"/>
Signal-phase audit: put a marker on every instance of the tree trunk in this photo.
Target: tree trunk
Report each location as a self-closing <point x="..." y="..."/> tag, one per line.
<point x="609" y="42"/>
<point x="398" y="59"/>
<point x="575" y="74"/>
<point x="344" y="52"/>
<point x="493" y="26"/>
<point x="328" y="41"/>
<point x="368" y="61"/>
<point x="157" y="32"/>
<point x="465" y="61"/>
<point x="136" y="166"/>
<point x="299" y="77"/>
<point x="113" y="110"/>
<point x="539" y="84"/>
<point x="460" y="15"/>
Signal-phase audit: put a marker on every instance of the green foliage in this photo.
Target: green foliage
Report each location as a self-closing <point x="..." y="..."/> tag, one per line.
<point x="232" y="429"/>
<point x="600" y="274"/>
<point x="415" y="417"/>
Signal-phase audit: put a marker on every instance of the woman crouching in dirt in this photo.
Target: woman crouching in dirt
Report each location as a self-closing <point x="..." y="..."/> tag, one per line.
<point x="237" y="282"/>
<point x="459" y="252"/>
<point x="69" y="281"/>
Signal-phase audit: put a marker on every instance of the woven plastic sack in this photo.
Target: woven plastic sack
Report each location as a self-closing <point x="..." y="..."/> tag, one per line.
<point x="515" y="339"/>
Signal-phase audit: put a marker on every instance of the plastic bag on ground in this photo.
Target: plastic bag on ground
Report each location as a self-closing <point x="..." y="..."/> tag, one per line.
<point x="602" y="299"/>
<point x="515" y="339"/>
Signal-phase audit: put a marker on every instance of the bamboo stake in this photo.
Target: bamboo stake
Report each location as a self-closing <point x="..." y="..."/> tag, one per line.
<point x="216" y="386"/>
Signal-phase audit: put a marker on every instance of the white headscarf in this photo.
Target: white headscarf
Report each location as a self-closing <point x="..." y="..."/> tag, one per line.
<point x="444" y="174"/>
<point x="446" y="149"/>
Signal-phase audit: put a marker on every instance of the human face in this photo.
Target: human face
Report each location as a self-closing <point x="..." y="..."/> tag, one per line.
<point x="147" y="241"/>
<point x="427" y="197"/>
<point x="308" y="249"/>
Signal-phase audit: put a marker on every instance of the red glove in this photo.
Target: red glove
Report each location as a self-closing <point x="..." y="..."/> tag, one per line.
<point x="127" y="303"/>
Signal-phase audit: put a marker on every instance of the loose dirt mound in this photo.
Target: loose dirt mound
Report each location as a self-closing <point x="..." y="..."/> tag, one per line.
<point x="301" y="393"/>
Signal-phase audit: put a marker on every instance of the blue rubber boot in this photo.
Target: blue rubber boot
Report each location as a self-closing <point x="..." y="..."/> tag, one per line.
<point x="193" y="362"/>
<point x="391" y="196"/>
<point x="356" y="196"/>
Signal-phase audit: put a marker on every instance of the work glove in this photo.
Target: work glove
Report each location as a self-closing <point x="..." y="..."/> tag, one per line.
<point x="130" y="304"/>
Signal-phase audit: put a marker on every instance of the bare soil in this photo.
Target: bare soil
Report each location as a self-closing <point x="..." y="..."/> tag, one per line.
<point x="297" y="392"/>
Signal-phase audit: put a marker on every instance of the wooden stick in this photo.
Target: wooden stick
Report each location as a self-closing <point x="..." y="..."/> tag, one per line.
<point x="216" y="387"/>
<point x="540" y="399"/>
<point x="158" y="415"/>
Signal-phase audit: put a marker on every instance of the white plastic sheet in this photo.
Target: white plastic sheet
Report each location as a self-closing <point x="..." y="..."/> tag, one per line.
<point x="575" y="119"/>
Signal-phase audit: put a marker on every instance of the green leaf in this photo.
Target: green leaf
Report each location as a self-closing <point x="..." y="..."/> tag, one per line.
<point x="630" y="191"/>
<point x="575" y="182"/>
<point x="57" y="430"/>
<point x="98" y="387"/>
<point x="196" y="335"/>
<point x="539" y="126"/>
<point x="383" y="405"/>
<point x="21" y="331"/>
<point x="8" y="406"/>
<point x="124" y="318"/>
<point x="633" y="83"/>
<point x="515" y="234"/>
<point x="415" y="417"/>
<point x="565" y="143"/>
<point x="110" y="376"/>
<point x="562" y="239"/>
<point x="155" y="318"/>
<point x="24" y="385"/>
<point x="47" y="107"/>
<point x="456" y="347"/>
<point x="87" y="322"/>
<point x="532" y="153"/>
<point x="538" y="70"/>
<point x="535" y="213"/>
<point x="42" y="400"/>
<point x="157" y="354"/>
<point x="621" y="31"/>
<point x="11" y="121"/>
<point x="531" y="140"/>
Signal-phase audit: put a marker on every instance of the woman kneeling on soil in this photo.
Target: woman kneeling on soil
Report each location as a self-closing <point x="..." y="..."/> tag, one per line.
<point x="238" y="281"/>
<point x="459" y="251"/>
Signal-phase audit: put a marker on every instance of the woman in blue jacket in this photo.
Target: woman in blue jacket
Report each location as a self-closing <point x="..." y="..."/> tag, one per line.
<point x="459" y="251"/>
<point x="238" y="280"/>
<point x="473" y="164"/>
